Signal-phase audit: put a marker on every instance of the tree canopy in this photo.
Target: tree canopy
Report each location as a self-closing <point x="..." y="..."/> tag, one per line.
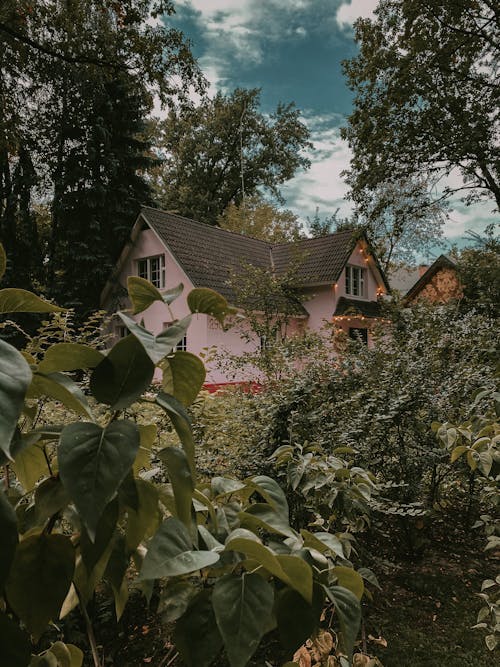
<point x="427" y="96"/>
<point x="76" y="82"/>
<point x="224" y="149"/>
<point x="262" y="220"/>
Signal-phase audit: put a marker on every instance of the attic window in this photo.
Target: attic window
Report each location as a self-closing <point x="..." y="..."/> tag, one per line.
<point x="152" y="269"/>
<point x="355" y="279"/>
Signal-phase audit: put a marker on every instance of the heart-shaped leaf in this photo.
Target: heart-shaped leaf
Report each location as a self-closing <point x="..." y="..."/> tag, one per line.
<point x="123" y="376"/>
<point x="93" y="462"/>
<point x="50" y="497"/>
<point x="63" y="389"/>
<point x="243" y="607"/>
<point x="205" y="300"/>
<point x="69" y="357"/>
<point x="350" y="579"/>
<point x="157" y="347"/>
<point x="15" y="377"/>
<point x="170" y="553"/>
<point x="183" y="376"/>
<point x="14" y="300"/>
<point x="39" y="579"/>
<point x="142" y="294"/>
<point x="198" y="621"/>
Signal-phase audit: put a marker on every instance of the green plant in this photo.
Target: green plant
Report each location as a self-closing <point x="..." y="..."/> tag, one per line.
<point x="477" y="442"/>
<point x="77" y="510"/>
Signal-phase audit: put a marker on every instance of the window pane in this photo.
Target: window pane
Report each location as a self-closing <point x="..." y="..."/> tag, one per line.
<point x="155" y="271"/>
<point x="348" y="279"/>
<point x="142" y="268"/>
<point x="355" y="281"/>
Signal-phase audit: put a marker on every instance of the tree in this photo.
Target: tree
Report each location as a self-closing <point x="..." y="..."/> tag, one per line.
<point x="401" y="220"/>
<point x="426" y="96"/>
<point x="76" y="82"/>
<point x="327" y="225"/>
<point x="262" y="220"/>
<point x="225" y="150"/>
<point x="479" y="270"/>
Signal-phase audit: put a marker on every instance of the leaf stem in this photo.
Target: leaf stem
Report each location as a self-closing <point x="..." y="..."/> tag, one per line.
<point x="90" y="634"/>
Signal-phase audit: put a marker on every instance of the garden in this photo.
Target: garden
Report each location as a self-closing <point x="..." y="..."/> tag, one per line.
<point x="344" y="514"/>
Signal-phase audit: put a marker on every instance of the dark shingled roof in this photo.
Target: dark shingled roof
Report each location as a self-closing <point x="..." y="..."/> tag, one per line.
<point x="320" y="260"/>
<point x="209" y="254"/>
<point x="442" y="262"/>
<point x="353" y="307"/>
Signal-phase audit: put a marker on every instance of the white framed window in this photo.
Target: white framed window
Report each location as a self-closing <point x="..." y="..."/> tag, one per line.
<point x="355" y="280"/>
<point x="152" y="269"/>
<point x="181" y="345"/>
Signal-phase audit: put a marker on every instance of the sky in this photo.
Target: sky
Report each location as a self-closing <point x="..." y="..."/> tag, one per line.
<point x="292" y="50"/>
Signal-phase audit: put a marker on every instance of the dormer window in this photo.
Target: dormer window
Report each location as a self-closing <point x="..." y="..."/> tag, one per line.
<point x="355" y="280"/>
<point x="152" y="269"/>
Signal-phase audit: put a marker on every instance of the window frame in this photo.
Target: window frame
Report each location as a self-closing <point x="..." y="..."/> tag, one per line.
<point x="147" y="264"/>
<point x="355" y="281"/>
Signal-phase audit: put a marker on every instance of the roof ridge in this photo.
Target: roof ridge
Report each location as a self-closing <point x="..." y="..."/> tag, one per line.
<point x="206" y="225"/>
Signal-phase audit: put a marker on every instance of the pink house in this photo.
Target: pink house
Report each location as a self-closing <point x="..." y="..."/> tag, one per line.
<point x="339" y="276"/>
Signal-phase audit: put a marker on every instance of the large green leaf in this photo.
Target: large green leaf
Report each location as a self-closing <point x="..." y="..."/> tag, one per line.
<point x="142" y="293"/>
<point x="123" y="376"/>
<point x="297" y="619"/>
<point x="272" y="493"/>
<point x="148" y="434"/>
<point x="350" y="579"/>
<point x="63" y="389"/>
<point x="143" y="522"/>
<point x="182" y="424"/>
<point x="93" y="551"/>
<point x="170" y="553"/>
<point x="262" y="515"/>
<point x="291" y="570"/>
<point x="243" y="607"/>
<point x="69" y="357"/>
<point x="29" y="465"/>
<point x="157" y="347"/>
<point x="3" y="261"/>
<point x="323" y="542"/>
<point x="15" y="377"/>
<point x="205" y="300"/>
<point x="14" y="300"/>
<point x="196" y="634"/>
<point x="93" y="462"/>
<point x="50" y="497"/>
<point x="348" y="610"/>
<point x="39" y="579"/>
<point x="15" y="647"/>
<point x="9" y="540"/>
<point x="183" y="376"/>
<point x="179" y="474"/>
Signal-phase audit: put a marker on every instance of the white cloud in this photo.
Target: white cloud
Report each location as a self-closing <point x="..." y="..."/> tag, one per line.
<point x="321" y="186"/>
<point x="351" y="10"/>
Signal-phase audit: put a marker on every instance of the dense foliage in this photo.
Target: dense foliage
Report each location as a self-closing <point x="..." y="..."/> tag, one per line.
<point x="81" y="507"/>
<point x="426" y="96"/>
<point x="76" y="83"/>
